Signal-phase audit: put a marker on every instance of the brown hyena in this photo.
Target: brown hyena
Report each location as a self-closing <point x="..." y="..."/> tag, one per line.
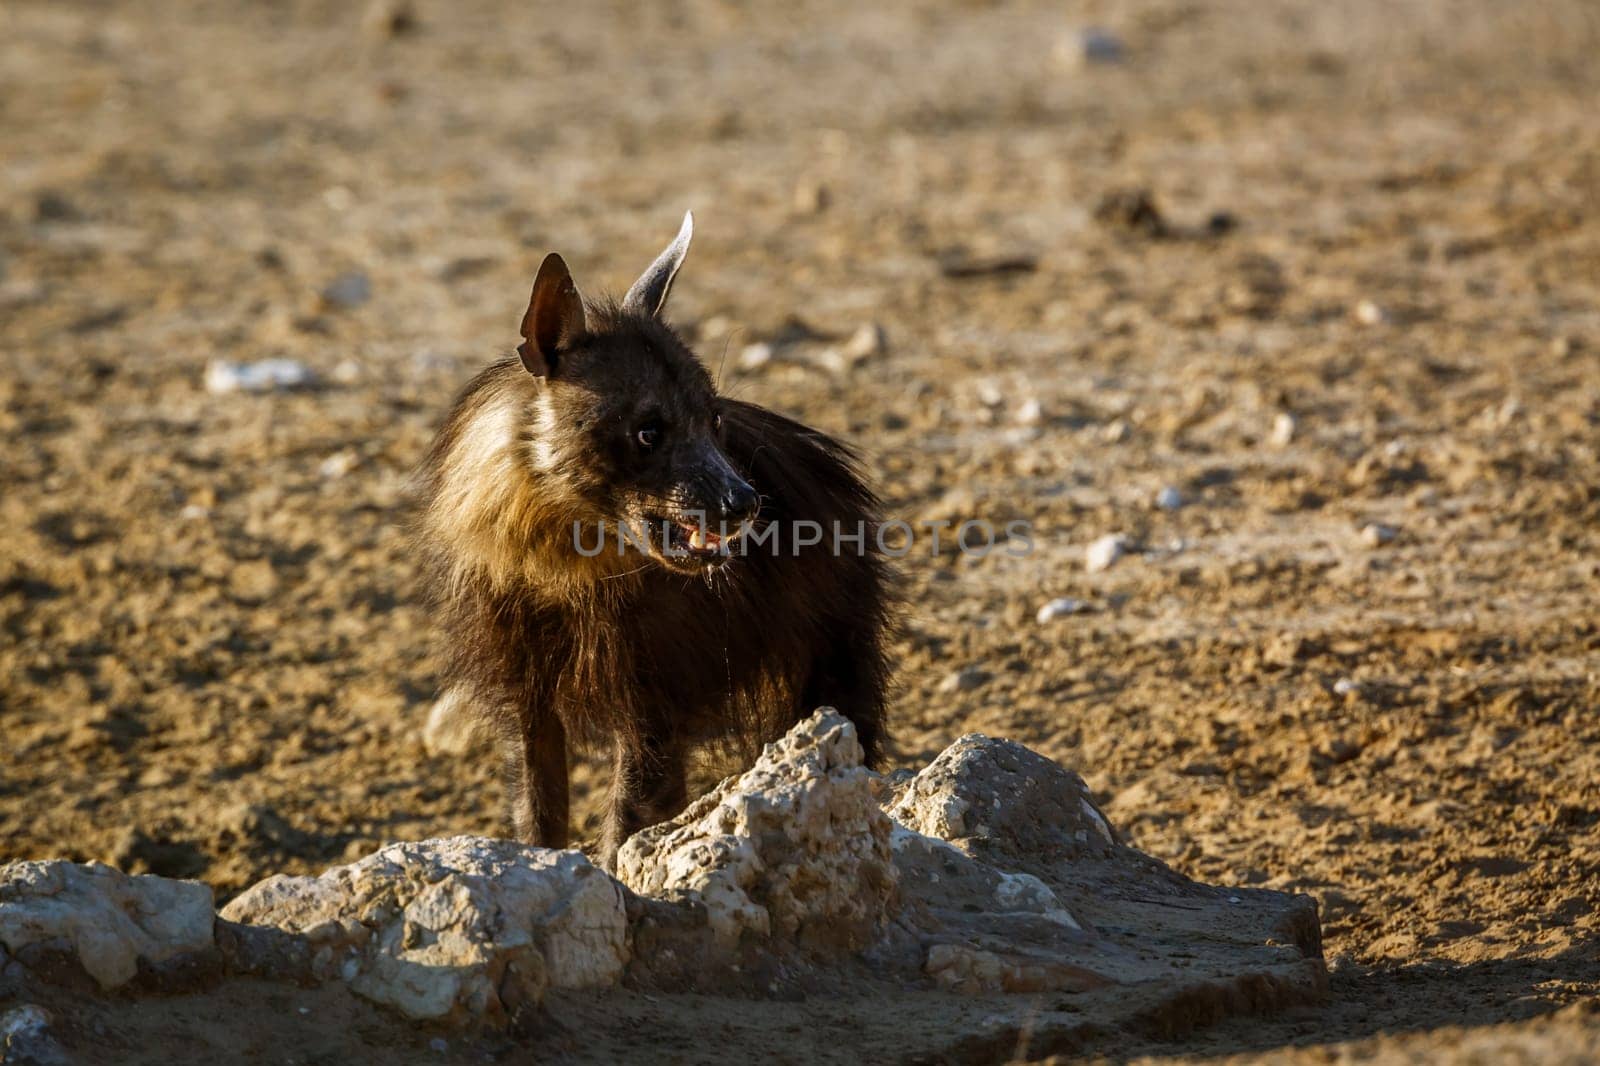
<point x="711" y="611"/>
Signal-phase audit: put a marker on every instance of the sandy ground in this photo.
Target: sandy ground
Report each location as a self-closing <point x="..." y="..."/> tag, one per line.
<point x="1379" y="222"/>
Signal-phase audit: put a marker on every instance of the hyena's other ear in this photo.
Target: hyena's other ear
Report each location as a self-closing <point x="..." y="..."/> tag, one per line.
<point x="554" y="321"/>
<point x="649" y="293"/>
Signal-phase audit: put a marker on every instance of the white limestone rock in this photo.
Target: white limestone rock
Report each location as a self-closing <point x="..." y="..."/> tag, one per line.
<point x="456" y="928"/>
<point x="795" y="851"/>
<point x="106" y="920"/>
<point x="1000" y="799"/>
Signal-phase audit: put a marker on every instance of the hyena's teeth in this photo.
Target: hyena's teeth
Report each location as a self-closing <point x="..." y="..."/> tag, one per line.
<point x="697" y="539"/>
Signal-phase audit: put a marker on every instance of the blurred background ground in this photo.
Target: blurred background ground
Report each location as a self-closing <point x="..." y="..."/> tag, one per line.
<point x="1328" y="272"/>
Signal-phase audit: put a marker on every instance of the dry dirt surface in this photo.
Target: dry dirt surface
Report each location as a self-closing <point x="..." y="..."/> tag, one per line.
<point x="1328" y="271"/>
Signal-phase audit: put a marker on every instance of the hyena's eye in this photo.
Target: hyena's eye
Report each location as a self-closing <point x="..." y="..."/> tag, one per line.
<point x="648" y="435"/>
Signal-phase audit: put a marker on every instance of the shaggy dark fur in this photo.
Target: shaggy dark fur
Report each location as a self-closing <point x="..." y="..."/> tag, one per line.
<point x="606" y="418"/>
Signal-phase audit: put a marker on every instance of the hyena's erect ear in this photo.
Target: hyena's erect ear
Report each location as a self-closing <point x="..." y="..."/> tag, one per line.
<point x="554" y="321"/>
<point x="649" y="293"/>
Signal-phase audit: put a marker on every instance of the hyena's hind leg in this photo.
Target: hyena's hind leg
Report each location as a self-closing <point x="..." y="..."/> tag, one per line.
<point x="649" y="784"/>
<point x="851" y="674"/>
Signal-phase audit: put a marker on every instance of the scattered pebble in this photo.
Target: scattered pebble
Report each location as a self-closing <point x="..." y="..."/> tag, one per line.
<point x="1169" y="499"/>
<point x="388" y="18"/>
<point x="1370" y="314"/>
<point x="1060" y="608"/>
<point x="348" y="290"/>
<point x="20" y="293"/>
<point x="1132" y="210"/>
<point x="1090" y="45"/>
<point x="1506" y="413"/>
<point x="264" y="376"/>
<point x="867" y="341"/>
<point x="1222" y="222"/>
<point x="1344" y="687"/>
<point x="348" y="372"/>
<point x="1283" y="427"/>
<point x="194" y="513"/>
<point x="833" y="361"/>
<point x="964" y="680"/>
<point x="811" y="197"/>
<point x="1029" y="413"/>
<point x="1377" y="534"/>
<point x="338" y="198"/>
<point x="755" y="356"/>
<point x="439" y="1044"/>
<point x="338" y="465"/>
<point x="989" y="394"/>
<point x="1116" y="432"/>
<point x="1104" y="552"/>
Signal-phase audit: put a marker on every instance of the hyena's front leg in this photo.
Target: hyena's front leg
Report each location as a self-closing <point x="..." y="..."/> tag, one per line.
<point x="535" y="751"/>
<point x="648" y="785"/>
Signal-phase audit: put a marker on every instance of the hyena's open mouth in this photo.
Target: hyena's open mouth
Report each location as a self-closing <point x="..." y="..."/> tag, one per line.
<point x="687" y="538"/>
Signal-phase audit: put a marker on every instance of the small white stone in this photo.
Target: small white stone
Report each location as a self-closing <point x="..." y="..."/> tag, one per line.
<point x="194" y="512"/>
<point x="1103" y="553"/>
<point x="338" y="465"/>
<point x="1029" y="413"/>
<point x="716" y="327"/>
<point x="866" y="341"/>
<point x="755" y="356"/>
<point x="833" y="360"/>
<point x="1370" y="314"/>
<point x="1115" y="432"/>
<point x="1376" y="534"/>
<point x="1059" y="608"/>
<point x="224" y="377"/>
<point x="1169" y="499"/>
<point x="1283" y="427"/>
<point x="989" y="394"/>
<point x="1507" y="412"/>
<point x="963" y="680"/>
<point x="1344" y="686"/>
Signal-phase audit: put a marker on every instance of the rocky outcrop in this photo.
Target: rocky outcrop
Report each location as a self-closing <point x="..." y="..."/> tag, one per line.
<point x="1003" y="801"/>
<point x="450" y="929"/>
<point x="100" y="920"/>
<point x="992" y="871"/>
<point x="793" y="852"/>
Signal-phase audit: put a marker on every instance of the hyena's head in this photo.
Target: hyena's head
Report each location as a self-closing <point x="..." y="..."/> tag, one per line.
<point x="628" y="422"/>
